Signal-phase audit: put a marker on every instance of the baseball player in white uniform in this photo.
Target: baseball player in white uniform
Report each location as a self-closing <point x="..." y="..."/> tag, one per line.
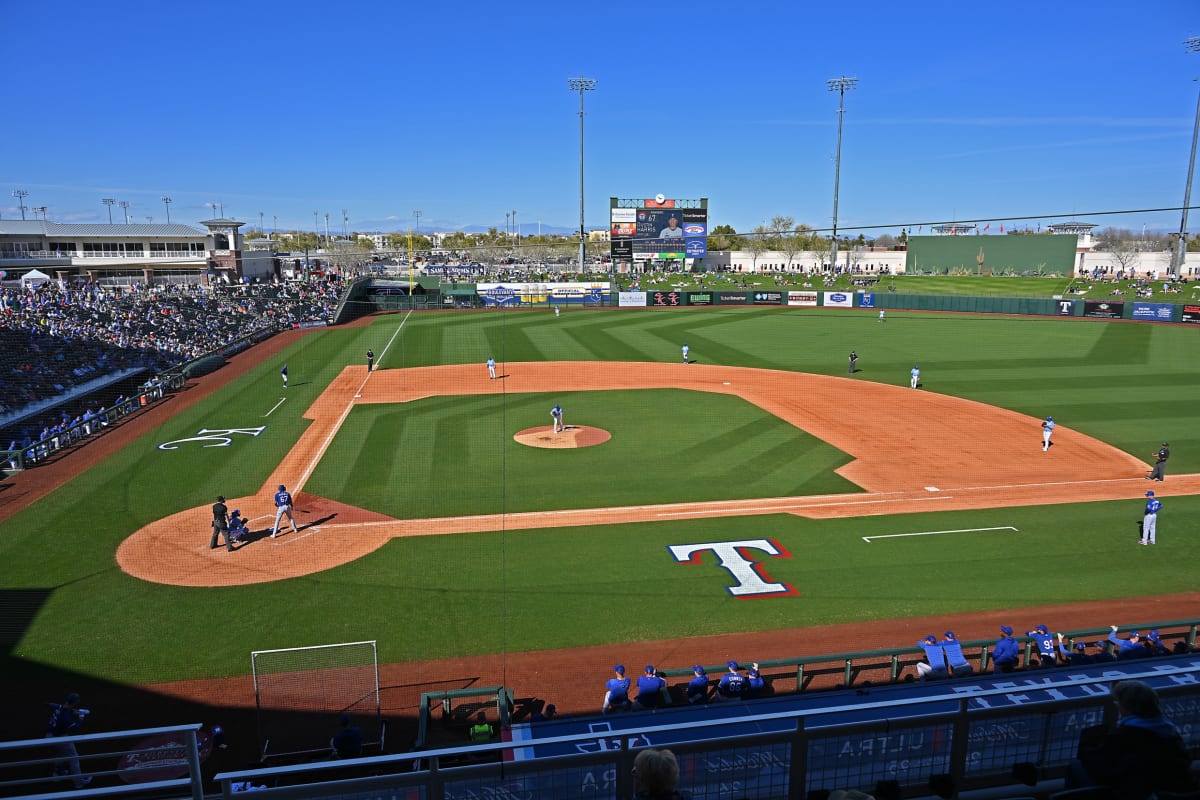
<point x="556" y="414"/>
<point x="1047" y="430"/>
<point x="915" y="376"/>
<point x="283" y="508"/>
<point x="491" y="365"/>
<point x="685" y="354"/>
<point x="1150" y="519"/>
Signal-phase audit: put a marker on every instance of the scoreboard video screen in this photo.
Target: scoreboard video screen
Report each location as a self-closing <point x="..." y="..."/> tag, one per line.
<point x="658" y="229"/>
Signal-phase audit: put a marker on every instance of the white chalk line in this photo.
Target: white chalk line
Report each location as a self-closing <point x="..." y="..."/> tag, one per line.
<point x="868" y="539"/>
<point x="337" y="426"/>
<point x="296" y="537"/>
<point x="725" y="511"/>
<point x="282" y="400"/>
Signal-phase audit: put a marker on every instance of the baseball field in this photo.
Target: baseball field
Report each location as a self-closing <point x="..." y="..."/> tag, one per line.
<point x="744" y="500"/>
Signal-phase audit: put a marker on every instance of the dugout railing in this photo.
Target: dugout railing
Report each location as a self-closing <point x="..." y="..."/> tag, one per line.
<point x="806" y="673"/>
<point x="924" y="744"/>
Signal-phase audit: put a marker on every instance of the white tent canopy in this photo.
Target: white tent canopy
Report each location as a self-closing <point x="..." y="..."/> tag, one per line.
<point x="33" y="278"/>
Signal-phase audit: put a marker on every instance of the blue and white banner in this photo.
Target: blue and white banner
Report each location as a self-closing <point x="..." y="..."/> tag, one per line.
<point x="1158" y="312"/>
<point x="837" y="299"/>
<point x="866" y="300"/>
<point x="631" y="299"/>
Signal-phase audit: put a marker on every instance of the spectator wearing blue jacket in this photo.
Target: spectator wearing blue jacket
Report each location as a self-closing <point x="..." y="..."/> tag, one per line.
<point x="1006" y="651"/>
<point x="934" y="665"/>
<point x="1127" y="648"/>
<point x="954" y="655"/>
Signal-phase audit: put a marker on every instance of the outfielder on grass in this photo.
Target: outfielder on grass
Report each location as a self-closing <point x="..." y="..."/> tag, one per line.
<point x="283" y="507"/>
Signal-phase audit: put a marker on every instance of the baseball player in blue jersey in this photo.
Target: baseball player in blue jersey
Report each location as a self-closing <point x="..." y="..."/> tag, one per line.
<point x="283" y="372"/>
<point x="698" y="688"/>
<point x="1044" y="641"/>
<point x="1079" y="658"/>
<point x="237" y="526"/>
<point x="66" y="719"/>
<point x="283" y="508"/>
<point x="954" y="655"/>
<point x="1006" y="651"/>
<point x="650" y="688"/>
<point x="685" y="353"/>
<point x="556" y="415"/>
<point x="1150" y="519"/>
<point x="934" y="665"/>
<point x="1127" y="648"/>
<point x="732" y="684"/>
<point x="1047" y="430"/>
<point x="491" y="365"/>
<point x="914" y="379"/>
<point x="616" y="693"/>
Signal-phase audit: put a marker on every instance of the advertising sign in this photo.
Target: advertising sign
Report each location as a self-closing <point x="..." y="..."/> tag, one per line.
<point x="666" y="299"/>
<point x="699" y="298"/>
<point x="802" y="298"/>
<point x="695" y="248"/>
<point x="621" y="249"/>
<point x="631" y="299"/>
<point x="624" y="215"/>
<point x="768" y="298"/>
<point x="866" y="300"/>
<point x="838" y="299"/>
<point x="731" y="298"/>
<point x="537" y="293"/>
<point x="1191" y="314"/>
<point x="1065" y="308"/>
<point x="1157" y="312"/>
<point x="1104" y="309"/>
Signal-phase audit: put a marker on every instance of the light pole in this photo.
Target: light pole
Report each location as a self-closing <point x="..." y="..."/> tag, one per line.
<point x="167" y="202"/>
<point x="516" y="228"/>
<point x="345" y="222"/>
<point x="418" y="215"/>
<point x="326" y="228"/>
<point x="316" y="229"/>
<point x="110" y="202"/>
<point x="261" y="232"/>
<point x="1193" y="46"/>
<point x="150" y="220"/>
<point x="274" y="226"/>
<point x="212" y="206"/>
<point x="841" y="86"/>
<point x="21" y="194"/>
<point x="124" y="205"/>
<point x="581" y="85"/>
<point x="41" y="209"/>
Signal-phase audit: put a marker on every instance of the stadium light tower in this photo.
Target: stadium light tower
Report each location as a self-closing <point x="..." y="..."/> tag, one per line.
<point x="418" y="213"/>
<point x="167" y="202"/>
<point x="110" y="202"/>
<point x="41" y="209"/>
<point x="124" y="205"/>
<point x="21" y="194"/>
<point x="841" y="86"/>
<point x="581" y="85"/>
<point x="1180" y="255"/>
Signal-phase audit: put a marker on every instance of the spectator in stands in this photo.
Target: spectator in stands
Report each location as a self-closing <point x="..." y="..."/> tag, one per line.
<point x="650" y="689"/>
<point x="1079" y="657"/>
<point x="698" y="688"/>
<point x="732" y="684"/>
<point x="655" y="774"/>
<point x="616" y="694"/>
<point x="954" y="656"/>
<point x="1044" y="642"/>
<point x="1006" y="651"/>
<point x="348" y="741"/>
<point x="934" y="665"/>
<point x="1127" y="648"/>
<point x="1141" y="755"/>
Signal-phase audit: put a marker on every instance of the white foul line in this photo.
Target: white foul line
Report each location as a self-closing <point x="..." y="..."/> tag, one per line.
<point x="296" y="538"/>
<point x="282" y="400"/>
<point x="756" y="509"/>
<point x="868" y="539"/>
<point x="383" y="352"/>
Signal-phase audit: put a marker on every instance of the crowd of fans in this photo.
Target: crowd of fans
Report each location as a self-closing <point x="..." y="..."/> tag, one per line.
<point x="55" y="339"/>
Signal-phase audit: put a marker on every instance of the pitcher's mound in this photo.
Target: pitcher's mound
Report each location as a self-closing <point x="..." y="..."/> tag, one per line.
<point x="572" y="436"/>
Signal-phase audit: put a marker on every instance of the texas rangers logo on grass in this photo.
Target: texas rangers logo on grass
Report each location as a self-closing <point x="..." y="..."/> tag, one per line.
<point x="752" y="579"/>
<point x="218" y="437"/>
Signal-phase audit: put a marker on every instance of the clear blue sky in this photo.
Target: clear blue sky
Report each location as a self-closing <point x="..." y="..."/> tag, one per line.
<point x="462" y="110"/>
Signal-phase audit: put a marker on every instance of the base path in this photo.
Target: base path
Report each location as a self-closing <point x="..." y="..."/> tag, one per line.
<point x="912" y="451"/>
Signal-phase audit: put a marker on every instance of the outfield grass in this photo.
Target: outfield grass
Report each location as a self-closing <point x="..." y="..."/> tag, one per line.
<point x="1129" y="384"/>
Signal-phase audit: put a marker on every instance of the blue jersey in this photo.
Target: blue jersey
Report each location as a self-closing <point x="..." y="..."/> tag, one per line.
<point x="1153" y="506"/>
<point x="1005" y="651"/>
<point x="934" y="653"/>
<point x="283" y="499"/>
<point x="697" y="689"/>
<point x="556" y="411"/>
<point x="65" y="720"/>
<point x="954" y="654"/>
<point x="1048" y="425"/>
<point x="1044" y="642"/>
<point x="733" y="684"/>
<point x="618" y="690"/>
<point x="284" y="370"/>
<point x="650" y="690"/>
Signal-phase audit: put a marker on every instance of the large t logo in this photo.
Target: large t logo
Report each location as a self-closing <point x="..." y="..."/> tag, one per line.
<point x="752" y="580"/>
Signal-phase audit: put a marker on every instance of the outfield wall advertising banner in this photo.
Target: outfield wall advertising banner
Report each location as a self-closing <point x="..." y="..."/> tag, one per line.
<point x="801" y="298"/>
<point x="838" y="299"/>
<point x="624" y="215"/>
<point x="666" y="299"/>
<point x="1065" y="308"/>
<point x="631" y="299"/>
<point x="699" y="298"/>
<point x="731" y="298"/>
<point x="695" y="248"/>
<point x="1158" y="312"/>
<point x="1104" y="309"/>
<point x="866" y="300"/>
<point x="501" y="294"/>
<point x="1191" y="314"/>
<point x="768" y="298"/>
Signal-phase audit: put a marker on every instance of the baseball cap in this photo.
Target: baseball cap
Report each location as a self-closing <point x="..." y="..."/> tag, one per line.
<point x="1006" y="630"/>
<point x="949" y="634"/>
<point x="551" y="708"/>
<point x="619" y="669"/>
<point x="1149" y="494"/>
<point x="1134" y="635"/>
<point x="73" y="697"/>
<point x="282" y="488"/>
<point x="1081" y="645"/>
<point x="1153" y="635"/>
<point x="1050" y="418"/>
<point x="753" y="673"/>
<point x="1042" y="629"/>
<point x="931" y="639"/>
<point x="732" y="665"/>
<point x="699" y="670"/>
<point x="649" y="669"/>
<point x="235" y="513"/>
<point x="1164" y="444"/>
<point x="220" y="498"/>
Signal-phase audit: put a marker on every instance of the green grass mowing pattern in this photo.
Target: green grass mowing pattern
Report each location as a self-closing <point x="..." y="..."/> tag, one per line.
<point x="1131" y="385"/>
<point x="454" y="456"/>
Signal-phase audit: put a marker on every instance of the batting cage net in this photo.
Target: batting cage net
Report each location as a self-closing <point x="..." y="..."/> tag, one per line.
<point x="299" y="690"/>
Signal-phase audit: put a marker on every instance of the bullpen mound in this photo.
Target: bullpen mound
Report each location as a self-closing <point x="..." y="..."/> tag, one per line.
<point x="571" y="436"/>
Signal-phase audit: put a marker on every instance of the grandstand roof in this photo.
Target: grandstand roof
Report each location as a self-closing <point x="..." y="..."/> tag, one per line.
<point x="18" y="227"/>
